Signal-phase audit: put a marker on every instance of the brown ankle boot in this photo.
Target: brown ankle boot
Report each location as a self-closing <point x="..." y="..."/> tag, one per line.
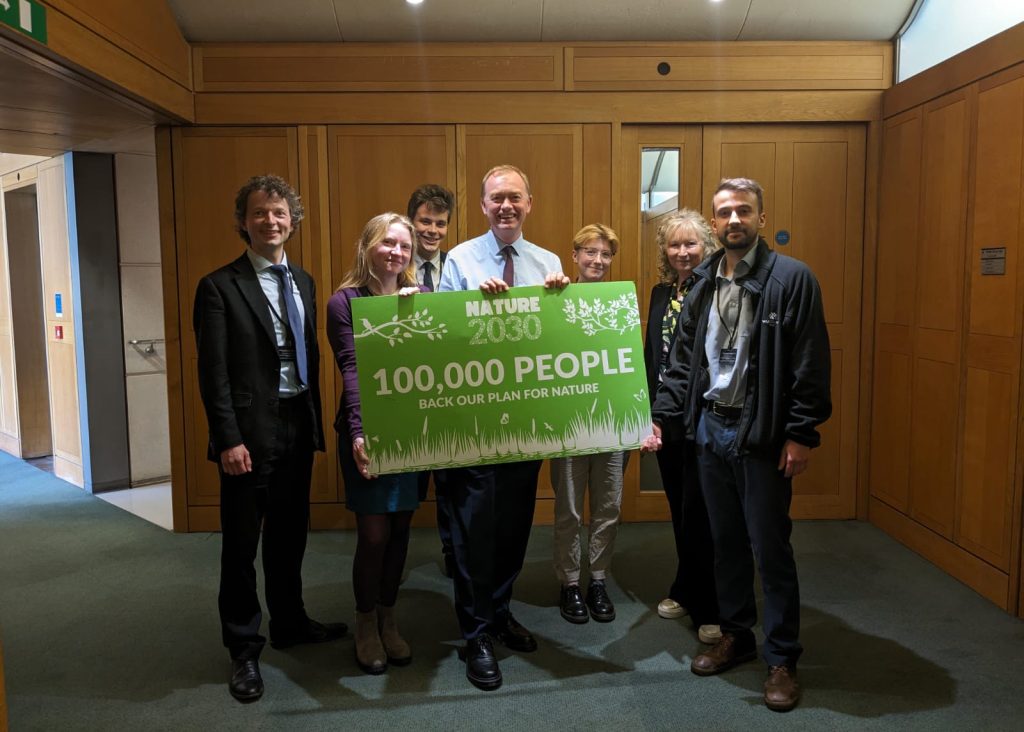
<point x="369" y="651"/>
<point x="397" y="649"/>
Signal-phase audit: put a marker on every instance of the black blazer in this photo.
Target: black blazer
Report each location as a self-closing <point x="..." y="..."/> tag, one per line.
<point x="660" y="296"/>
<point x="239" y="367"/>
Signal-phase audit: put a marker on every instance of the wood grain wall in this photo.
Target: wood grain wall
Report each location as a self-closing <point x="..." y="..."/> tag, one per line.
<point x="358" y="126"/>
<point x="946" y="465"/>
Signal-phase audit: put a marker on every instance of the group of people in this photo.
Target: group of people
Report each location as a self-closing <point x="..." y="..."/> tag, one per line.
<point x="737" y="363"/>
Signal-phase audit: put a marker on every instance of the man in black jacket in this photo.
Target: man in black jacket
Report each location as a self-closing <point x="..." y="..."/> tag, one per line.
<point x="750" y="380"/>
<point x="255" y="325"/>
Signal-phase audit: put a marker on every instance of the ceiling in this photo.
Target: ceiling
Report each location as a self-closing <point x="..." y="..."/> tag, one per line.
<point x="469" y="21"/>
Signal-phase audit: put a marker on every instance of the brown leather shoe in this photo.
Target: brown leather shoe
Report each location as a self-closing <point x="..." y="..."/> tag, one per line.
<point x="722" y="656"/>
<point x="781" y="689"/>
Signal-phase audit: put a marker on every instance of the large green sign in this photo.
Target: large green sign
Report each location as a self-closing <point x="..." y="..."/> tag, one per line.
<point x="25" y="16"/>
<point x="462" y="378"/>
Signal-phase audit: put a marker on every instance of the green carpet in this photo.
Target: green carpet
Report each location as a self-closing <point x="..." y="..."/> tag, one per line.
<point x="110" y="623"/>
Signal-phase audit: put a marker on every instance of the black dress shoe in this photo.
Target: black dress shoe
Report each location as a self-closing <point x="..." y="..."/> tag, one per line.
<point x="246" y="684"/>
<point x="572" y="606"/>
<point x="311" y="632"/>
<point x="601" y="608"/>
<point x="481" y="665"/>
<point x="515" y="637"/>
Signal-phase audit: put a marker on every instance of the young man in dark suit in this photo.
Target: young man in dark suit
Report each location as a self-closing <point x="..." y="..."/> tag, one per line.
<point x="255" y="325"/>
<point x="430" y="211"/>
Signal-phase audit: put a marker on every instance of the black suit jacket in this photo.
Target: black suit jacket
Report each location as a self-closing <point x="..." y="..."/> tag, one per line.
<point x="239" y="366"/>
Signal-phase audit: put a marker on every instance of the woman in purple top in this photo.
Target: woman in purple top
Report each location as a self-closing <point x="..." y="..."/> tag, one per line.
<point x="383" y="504"/>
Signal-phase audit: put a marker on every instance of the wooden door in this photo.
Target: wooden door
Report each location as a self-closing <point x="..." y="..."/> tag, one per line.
<point x="373" y="169"/>
<point x="210" y="165"/>
<point x="813" y="177"/>
<point x="643" y="498"/>
<point x="552" y="158"/>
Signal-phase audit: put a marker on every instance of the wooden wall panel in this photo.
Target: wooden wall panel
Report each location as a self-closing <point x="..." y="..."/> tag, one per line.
<point x="890" y="429"/>
<point x="148" y="31"/>
<point x="735" y="65"/>
<point x="552" y="157"/>
<point x="485" y="107"/>
<point x="900" y="194"/>
<point x="933" y="441"/>
<point x="210" y="165"/>
<point x="374" y="169"/>
<point x="943" y="214"/>
<point x="290" y="67"/>
<point x="986" y="495"/>
<point x="316" y="246"/>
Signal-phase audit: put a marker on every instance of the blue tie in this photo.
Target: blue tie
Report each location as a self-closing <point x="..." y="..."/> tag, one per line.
<point x="291" y="310"/>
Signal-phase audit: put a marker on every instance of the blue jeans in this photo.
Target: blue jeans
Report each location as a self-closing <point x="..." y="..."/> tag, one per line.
<point x="748" y="501"/>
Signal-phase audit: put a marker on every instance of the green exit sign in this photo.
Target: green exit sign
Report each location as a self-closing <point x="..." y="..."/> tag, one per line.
<point x="26" y="16"/>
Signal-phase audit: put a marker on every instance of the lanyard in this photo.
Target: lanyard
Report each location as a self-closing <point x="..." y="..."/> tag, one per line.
<point x="734" y="331"/>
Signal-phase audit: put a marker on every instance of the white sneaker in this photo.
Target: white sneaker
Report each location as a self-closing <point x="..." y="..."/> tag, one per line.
<point x="709" y="634"/>
<point x="669" y="608"/>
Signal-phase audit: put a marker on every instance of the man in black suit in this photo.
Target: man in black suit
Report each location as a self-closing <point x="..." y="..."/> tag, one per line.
<point x="430" y="210"/>
<point x="255" y="325"/>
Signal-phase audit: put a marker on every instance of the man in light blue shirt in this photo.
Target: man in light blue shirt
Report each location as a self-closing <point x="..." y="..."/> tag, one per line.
<point x="491" y="506"/>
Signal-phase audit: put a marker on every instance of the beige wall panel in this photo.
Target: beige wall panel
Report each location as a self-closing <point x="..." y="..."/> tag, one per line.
<point x="986" y="496"/>
<point x="64" y="400"/>
<point x="147" y="423"/>
<point x="8" y="375"/>
<point x="552" y="157"/>
<point x="899" y="200"/>
<point x="943" y="216"/>
<point x="933" y="443"/>
<point x="996" y="210"/>
<point x="54" y="248"/>
<point x="890" y="430"/>
<point x="377" y="67"/>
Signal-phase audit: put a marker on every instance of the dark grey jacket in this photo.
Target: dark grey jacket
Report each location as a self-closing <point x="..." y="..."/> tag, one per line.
<point x="788" y="378"/>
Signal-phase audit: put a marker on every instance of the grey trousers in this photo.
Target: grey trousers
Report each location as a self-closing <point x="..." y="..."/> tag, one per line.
<point x="571" y="477"/>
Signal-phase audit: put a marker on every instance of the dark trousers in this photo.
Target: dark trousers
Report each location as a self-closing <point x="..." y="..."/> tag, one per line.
<point x="748" y="503"/>
<point x="274" y="496"/>
<point x="491" y="510"/>
<point x="444" y="521"/>
<point x="694" y="583"/>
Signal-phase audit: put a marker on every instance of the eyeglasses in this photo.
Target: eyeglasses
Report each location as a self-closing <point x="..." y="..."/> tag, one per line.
<point x="605" y="256"/>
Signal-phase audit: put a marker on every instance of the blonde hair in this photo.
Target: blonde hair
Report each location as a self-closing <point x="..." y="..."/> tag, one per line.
<point x="596" y="231"/>
<point x="375" y="231"/>
<point x="683" y="217"/>
<point x="505" y="168"/>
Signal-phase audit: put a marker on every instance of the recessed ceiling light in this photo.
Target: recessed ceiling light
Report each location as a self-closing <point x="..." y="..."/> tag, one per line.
<point x="414" y="2"/>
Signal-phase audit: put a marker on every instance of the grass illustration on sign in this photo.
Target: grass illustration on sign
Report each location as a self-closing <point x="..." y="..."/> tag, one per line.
<point x="585" y="433"/>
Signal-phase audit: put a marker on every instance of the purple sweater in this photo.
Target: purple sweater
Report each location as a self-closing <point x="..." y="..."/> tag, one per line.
<point x="339" y="333"/>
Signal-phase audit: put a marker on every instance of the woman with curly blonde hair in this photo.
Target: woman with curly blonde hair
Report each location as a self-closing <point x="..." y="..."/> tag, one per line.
<point x="684" y="240"/>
